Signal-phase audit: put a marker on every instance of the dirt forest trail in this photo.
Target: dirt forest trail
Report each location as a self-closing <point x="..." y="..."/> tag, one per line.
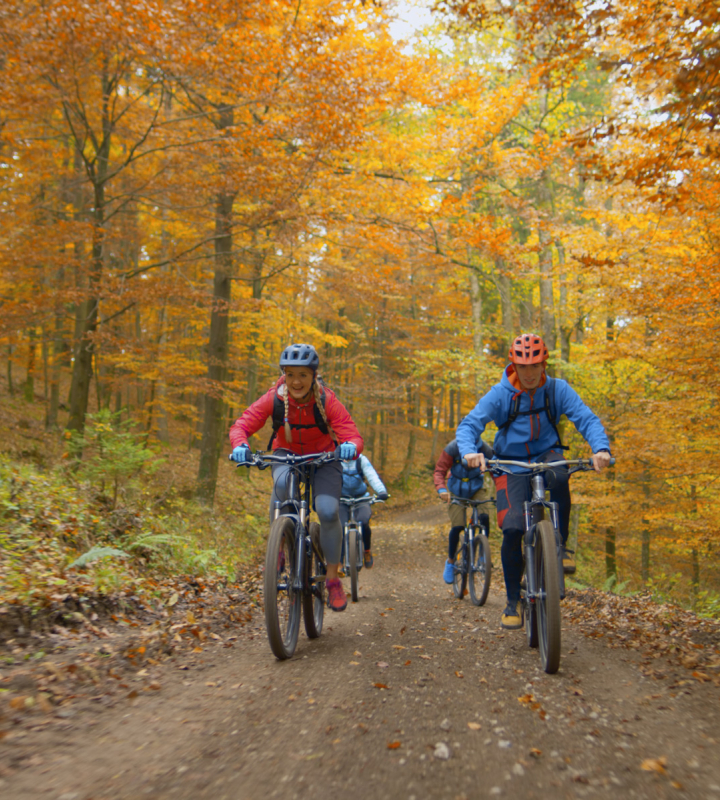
<point x="408" y="694"/>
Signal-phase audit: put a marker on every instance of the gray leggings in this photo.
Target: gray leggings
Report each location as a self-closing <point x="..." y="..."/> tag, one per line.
<point x="326" y="487"/>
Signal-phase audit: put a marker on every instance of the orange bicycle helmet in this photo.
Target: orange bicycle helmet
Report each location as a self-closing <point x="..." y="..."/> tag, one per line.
<point x="528" y="348"/>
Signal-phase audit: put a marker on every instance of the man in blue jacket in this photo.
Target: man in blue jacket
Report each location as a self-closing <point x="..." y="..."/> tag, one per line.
<point x="525" y="406"/>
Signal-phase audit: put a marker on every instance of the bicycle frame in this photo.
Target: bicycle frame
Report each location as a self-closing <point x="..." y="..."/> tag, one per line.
<point x="353" y="545"/>
<point x="545" y="582"/>
<point x="465" y="569"/>
<point x="294" y="506"/>
<point x="297" y="510"/>
<point x="352" y="503"/>
<point x="295" y="585"/>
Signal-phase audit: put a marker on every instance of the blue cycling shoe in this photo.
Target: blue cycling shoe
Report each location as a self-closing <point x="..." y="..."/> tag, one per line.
<point x="449" y="572"/>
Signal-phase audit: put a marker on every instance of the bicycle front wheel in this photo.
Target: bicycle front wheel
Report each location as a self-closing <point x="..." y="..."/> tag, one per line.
<point x="353" y="536"/>
<point x="548" y="600"/>
<point x="313" y="601"/>
<point x="461" y="571"/>
<point x="282" y="602"/>
<point x="480" y="569"/>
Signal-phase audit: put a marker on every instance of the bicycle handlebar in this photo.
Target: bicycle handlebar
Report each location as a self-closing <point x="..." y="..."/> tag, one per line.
<point x="469" y="501"/>
<point x="503" y="465"/>
<point x="368" y="498"/>
<point x="263" y="460"/>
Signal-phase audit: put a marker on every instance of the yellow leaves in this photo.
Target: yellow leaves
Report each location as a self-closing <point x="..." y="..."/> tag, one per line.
<point x="655" y="765"/>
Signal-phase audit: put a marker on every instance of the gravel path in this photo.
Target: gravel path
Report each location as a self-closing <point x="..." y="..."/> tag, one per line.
<point x="407" y="694"/>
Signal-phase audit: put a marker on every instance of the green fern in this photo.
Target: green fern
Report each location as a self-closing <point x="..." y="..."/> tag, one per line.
<point x="95" y="554"/>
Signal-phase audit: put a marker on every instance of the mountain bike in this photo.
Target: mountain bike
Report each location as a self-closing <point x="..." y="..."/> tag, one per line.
<point x="473" y="566"/>
<point x="353" y="547"/>
<point x="294" y="564"/>
<point x="543" y="550"/>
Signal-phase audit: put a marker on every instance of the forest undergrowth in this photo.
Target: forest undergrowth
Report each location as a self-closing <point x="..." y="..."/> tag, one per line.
<point x="109" y="522"/>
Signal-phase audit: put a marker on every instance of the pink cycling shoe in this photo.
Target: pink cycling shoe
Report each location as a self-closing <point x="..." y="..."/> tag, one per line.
<point x="336" y="598"/>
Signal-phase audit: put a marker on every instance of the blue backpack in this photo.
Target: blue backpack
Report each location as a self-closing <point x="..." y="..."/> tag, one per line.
<point x="353" y="484"/>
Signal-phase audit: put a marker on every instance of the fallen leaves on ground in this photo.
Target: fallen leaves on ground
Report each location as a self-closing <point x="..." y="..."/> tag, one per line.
<point x="655" y="765"/>
<point x="48" y="677"/>
<point x="658" y="630"/>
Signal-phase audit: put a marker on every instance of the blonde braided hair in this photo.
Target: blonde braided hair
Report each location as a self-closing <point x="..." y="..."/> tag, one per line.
<point x="288" y="429"/>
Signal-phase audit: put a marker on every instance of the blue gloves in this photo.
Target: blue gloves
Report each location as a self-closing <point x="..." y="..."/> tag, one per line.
<point x="382" y="496"/>
<point x="347" y="450"/>
<point x="241" y="454"/>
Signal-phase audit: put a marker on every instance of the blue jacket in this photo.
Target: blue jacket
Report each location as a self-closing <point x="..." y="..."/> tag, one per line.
<point x="355" y="473"/>
<point x="532" y="435"/>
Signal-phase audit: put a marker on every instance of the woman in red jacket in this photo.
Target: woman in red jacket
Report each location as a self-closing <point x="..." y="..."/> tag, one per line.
<point x="313" y="421"/>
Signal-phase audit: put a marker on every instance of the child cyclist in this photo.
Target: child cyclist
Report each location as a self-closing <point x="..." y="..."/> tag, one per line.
<point x="453" y="480"/>
<point x="525" y="406"/>
<point x="357" y="473"/>
<point x="307" y="418"/>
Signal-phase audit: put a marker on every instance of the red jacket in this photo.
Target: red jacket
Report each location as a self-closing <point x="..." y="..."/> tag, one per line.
<point x="305" y="440"/>
<point x="442" y="468"/>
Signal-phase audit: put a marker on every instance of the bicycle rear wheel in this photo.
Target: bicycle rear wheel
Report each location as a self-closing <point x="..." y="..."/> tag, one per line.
<point x="282" y="602"/>
<point x="313" y="601"/>
<point x="548" y="601"/>
<point x="461" y="570"/>
<point x="480" y="568"/>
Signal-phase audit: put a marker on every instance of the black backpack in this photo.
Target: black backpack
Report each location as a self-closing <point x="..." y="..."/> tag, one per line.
<point x="549" y="408"/>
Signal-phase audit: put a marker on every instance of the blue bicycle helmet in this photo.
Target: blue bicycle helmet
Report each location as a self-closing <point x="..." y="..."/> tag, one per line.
<point x="300" y="355"/>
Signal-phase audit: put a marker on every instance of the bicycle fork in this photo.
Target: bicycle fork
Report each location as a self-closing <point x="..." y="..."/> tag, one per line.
<point x="300" y="539"/>
<point x="533" y="515"/>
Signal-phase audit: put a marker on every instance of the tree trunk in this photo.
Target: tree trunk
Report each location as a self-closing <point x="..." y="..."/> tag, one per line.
<point x="564" y="327"/>
<point x="11" y="388"/>
<point x="430" y="409"/>
<point x="476" y="310"/>
<point x="694" y="553"/>
<point x="87" y="316"/>
<point x="645" y="536"/>
<point x="436" y="431"/>
<point x="51" y="420"/>
<point x="413" y="400"/>
<point x="502" y="284"/>
<point x="610" y="560"/>
<point x="252" y="365"/>
<point x="383" y="441"/>
<point x="29" y="387"/>
<point x="547" y="302"/>
<point x="213" y="428"/>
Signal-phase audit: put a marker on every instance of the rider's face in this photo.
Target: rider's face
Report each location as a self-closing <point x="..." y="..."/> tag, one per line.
<point x="529" y="375"/>
<point x="299" y="381"/>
